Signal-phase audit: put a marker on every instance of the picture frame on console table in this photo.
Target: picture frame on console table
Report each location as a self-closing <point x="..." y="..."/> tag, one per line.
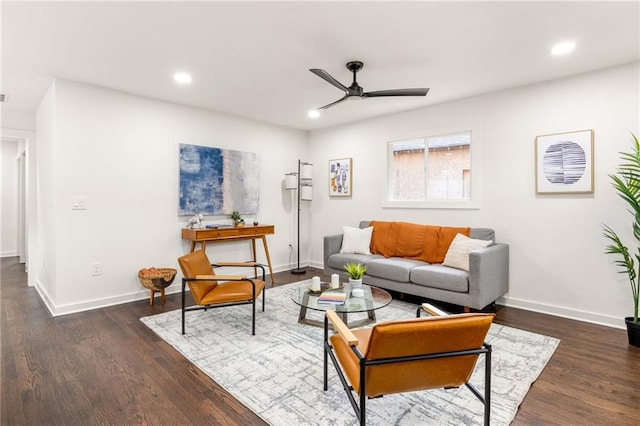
<point x="340" y="176"/>
<point x="564" y="163"/>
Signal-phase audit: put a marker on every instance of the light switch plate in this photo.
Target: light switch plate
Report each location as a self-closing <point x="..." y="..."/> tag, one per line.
<point x="78" y="203"/>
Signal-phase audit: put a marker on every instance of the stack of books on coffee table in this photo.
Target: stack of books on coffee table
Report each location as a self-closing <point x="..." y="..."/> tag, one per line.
<point x="332" y="297"/>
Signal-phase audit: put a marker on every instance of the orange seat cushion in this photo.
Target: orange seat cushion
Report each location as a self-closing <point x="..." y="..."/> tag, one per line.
<point x="232" y="291"/>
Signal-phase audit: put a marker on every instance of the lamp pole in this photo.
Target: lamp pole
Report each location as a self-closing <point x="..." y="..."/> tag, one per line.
<point x="298" y="270"/>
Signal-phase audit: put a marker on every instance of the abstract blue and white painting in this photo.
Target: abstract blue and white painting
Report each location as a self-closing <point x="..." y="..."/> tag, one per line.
<point x="215" y="181"/>
<point x="565" y="162"/>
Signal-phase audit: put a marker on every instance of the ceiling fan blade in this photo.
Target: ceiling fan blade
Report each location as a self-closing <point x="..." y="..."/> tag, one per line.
<point x="329" y="79"/>
<point x="396" y="92"/>
<point x="344" y="98"/>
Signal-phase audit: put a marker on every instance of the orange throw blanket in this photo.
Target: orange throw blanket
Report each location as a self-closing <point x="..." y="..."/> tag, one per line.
<point x="423" y="242"/>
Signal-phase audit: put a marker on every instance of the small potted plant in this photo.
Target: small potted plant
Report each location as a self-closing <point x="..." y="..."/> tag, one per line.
<point x="355" y="271"/>
<point x="237" y="219"/>
<point x="627" y="184"/>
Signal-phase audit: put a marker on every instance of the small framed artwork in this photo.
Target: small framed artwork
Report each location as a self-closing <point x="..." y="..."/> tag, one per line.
<point x="340" y="177"/>
<point x="564" y="163"/>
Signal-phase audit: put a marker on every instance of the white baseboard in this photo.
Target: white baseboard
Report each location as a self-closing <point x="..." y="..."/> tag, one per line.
<point x="44" y="296"/>
<point x="553" y="310"/>
<point x="87" y="305"/>
<point x="72" y="308"/>
<point x="563" y="312"/>
<point x="9" y="254"/>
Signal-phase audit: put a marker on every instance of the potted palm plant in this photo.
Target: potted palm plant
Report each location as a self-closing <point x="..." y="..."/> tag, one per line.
<point x="626" y="181"/>
<point x="356" y="272"/>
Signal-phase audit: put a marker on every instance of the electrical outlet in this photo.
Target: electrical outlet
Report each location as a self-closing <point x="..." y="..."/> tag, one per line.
<point x="96" y="269"/>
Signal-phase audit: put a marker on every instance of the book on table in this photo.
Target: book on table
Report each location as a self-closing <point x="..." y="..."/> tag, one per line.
<point x="332" y="297"/>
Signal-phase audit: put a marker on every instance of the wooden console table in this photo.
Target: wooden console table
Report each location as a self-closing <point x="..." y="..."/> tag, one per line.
<point x="229" y="234"/>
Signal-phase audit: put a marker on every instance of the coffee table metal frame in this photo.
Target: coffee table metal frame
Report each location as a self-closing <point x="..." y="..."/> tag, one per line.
<point x="374" y="298"/>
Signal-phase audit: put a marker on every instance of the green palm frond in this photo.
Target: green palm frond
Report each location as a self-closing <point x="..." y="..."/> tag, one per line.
<point x="626" y="182"/>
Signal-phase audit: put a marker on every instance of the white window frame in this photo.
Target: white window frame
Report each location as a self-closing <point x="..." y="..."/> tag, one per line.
<point x="475" y="153"/>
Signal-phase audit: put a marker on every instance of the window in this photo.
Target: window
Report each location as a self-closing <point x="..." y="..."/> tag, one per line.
<point x="430" y="171"/>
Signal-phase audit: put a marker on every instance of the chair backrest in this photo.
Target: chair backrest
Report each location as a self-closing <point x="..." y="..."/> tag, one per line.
<point x="193" y="264"/>
<point x="423" y="336"/>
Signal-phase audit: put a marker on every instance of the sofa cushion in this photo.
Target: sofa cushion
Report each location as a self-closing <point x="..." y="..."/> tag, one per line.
<point x="458" y="254"/>
<point x="443" y="277"/>
<point x="338" y="260"/>
<point x="482" y="234"/>
<point x="356" y="240"/>
<point x="393" y="268"/>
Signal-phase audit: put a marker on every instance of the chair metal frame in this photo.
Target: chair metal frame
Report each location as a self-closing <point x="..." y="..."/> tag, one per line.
<point x="360" y="409"/>
<point x="224" y="278"/>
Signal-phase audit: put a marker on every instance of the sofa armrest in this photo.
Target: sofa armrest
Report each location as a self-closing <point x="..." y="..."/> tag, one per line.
<point x="332" y="245"/>
<point x="488" y="274"/>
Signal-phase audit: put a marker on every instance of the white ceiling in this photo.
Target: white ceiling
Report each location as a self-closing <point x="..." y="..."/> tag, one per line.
<point x="252" y="58"/>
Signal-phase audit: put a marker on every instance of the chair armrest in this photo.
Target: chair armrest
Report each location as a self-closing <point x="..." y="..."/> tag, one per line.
<point x="219" y="277"/>
<point x="341" y="328"/>
<point x="332" y="245"/>
<point x="248" y="264"/>
<point x="433" y="311"/>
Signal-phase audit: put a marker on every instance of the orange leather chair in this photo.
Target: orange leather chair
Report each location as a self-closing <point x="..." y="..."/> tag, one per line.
<point x="212" y="291"/>
<point x="408" y="355"/>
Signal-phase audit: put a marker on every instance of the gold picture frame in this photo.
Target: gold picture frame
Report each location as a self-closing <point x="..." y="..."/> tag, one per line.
<point x="340" y="174"/>
<point x="564" y="163"/>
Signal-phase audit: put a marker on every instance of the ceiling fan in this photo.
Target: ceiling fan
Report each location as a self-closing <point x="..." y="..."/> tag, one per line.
<point x="355" y="91"/>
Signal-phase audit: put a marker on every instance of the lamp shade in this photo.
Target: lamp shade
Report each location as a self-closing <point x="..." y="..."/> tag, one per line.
<point x="306" y="192"/>
<point x="290" y="181"/>
<point x="306" y="171"/>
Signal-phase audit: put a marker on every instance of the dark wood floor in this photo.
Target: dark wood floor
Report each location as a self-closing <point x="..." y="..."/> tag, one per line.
<point x="106" y="367"/>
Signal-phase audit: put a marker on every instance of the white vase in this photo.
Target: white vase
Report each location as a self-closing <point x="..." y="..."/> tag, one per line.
<point x="355" y="283"/>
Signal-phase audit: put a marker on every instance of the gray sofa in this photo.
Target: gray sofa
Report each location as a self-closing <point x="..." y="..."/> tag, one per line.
<point x="486" y="281"/>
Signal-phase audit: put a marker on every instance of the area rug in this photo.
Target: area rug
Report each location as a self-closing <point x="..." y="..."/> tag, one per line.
<point x="278" y="372"/>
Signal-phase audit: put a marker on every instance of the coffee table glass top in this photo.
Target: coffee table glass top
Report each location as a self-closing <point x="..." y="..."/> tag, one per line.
<point x="374" y="298"/>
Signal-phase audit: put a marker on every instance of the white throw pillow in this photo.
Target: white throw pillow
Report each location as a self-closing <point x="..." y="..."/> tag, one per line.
<point x="356" y="240"/>
<point x="458" y="253"/>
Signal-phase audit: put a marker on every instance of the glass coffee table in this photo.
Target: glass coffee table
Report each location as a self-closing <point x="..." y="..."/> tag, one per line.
<point x="374" y="298"/>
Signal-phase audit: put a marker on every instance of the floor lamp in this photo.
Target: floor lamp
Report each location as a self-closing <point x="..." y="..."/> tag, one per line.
<point x="300" y="181"/>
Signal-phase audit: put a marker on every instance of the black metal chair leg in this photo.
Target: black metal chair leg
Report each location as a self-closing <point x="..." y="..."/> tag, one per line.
<point x="487" y="385"/>
<point x="326" y="343"/>
<point x="183" y="312"/>
<point x="363" y="393"/>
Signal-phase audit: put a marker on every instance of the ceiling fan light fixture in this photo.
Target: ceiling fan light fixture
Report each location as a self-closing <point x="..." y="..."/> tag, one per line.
<point x="314" y="113"/>
<point x="563" y="48"/>
<point x="182" y="78"/>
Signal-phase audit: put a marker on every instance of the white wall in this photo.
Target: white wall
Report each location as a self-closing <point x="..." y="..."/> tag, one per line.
<point x="9" y="193"/>
<point x="121" y="152"/>
<point x="17" y="118"/>
<point x="44" y="261"/>
<point x="557" y="263"/>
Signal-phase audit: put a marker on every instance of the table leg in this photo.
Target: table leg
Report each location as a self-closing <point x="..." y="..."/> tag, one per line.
<point x="266" y="251"/>
<point x="303" y="314"/>
<point x="193" y="246"/>
<point x="253" y="253"/>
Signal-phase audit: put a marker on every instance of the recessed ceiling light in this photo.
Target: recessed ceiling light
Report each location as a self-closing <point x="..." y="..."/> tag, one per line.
<point x="182" y="78"/>
<point x="314" y="113"/>
<point x="563" y="48"/>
